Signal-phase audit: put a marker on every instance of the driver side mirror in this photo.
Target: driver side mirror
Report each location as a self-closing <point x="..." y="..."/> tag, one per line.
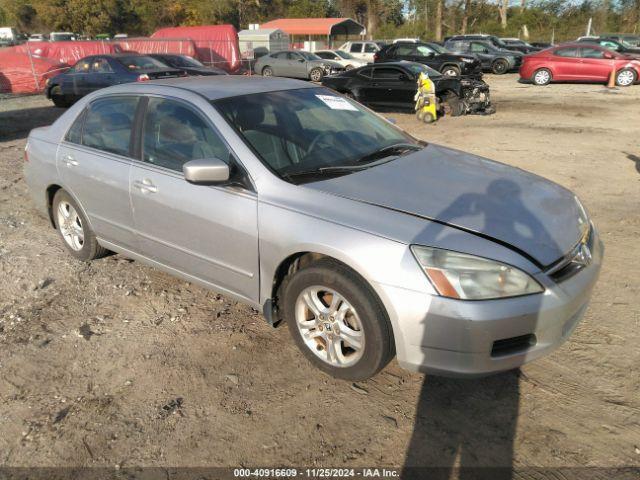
<point x="608" y="55"/>
<point x="206" y="171"/>
<point x="301" y="60"/>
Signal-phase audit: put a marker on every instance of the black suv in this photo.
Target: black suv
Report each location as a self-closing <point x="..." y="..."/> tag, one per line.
<point x="492" y="39"/>
<point x="431" y="55"/>
<point x="493" y="59"/>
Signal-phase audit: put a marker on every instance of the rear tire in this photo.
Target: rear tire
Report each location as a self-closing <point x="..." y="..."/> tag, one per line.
<point x="74" y="230"/>
<point x="357" y="315"/>
<point x="316" y="74"/>
<point x="500" y="66"/>
<point x="626" y="77"/>
<point x="542" y="77"/>
<point x="267" y="72"/>
<point x="58" y="99"/>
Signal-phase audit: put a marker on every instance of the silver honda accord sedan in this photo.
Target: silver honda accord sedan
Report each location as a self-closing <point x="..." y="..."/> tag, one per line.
<point x="367" y="242"/>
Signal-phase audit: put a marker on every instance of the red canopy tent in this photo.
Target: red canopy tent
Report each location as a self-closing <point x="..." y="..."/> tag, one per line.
<point x="179" y="46"/>
<point x="216" y="45"/>
<point x="21" y="74"/>
<point x="68" y="52"/>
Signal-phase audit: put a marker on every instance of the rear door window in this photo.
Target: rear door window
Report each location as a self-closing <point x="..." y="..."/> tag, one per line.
<point x="108" y="124"/>
<point x="174" y="134"/>
<point x="478" y="47"/>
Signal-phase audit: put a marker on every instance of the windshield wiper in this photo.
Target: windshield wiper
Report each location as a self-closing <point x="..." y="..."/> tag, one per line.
<point x="326" y="171"/>
<point x="396" y="148"/>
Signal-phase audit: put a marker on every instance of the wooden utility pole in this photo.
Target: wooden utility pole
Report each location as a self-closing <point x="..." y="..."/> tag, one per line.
<point x="503" y="7"/>
<point x="465" y="16"/>
<point x="438" y="32"/>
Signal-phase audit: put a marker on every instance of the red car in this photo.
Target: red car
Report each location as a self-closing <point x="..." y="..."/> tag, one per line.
<point x="579" y="62"/>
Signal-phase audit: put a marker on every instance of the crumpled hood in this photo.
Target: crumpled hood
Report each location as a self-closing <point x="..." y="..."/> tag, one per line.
<point x="528" y="213"/>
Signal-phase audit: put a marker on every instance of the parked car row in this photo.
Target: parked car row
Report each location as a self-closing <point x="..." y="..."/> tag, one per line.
<point x="100" y="71"/>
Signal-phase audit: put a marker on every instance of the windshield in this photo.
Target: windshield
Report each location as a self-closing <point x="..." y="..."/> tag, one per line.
<point x="497" y="42"/>
<point x="61" y="37"/>
<point x="136" y="63"/>
<point x="309" y="55"/>
<point x="308" y="133"/>
<point x="438" y="48"/>
<point x="345" y="55"/>
<point x="185" y="61"/>
<point x="417" y="68"/>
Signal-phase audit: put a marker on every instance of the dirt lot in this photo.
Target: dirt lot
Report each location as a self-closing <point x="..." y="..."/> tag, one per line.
<point x="114" y="363"/>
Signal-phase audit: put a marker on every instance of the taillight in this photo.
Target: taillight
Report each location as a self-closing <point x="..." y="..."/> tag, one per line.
<point x="142" y="78"/>
<point x="26" y="152"/>
<point x="376" y="57"/>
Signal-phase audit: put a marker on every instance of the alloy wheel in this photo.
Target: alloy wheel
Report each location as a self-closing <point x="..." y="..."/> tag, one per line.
<point x="625" y="78"/>
<point x="329" y="326"/>
<point x="70" y="225"/>
<point x="542" y="77"/>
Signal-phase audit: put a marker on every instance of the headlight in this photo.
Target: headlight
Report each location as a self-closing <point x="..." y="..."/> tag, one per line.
<point x="583" y="218"/>
<point x="467" y="277"/>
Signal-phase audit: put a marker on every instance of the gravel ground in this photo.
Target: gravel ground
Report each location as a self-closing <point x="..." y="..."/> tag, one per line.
<point x="115" y="363"/>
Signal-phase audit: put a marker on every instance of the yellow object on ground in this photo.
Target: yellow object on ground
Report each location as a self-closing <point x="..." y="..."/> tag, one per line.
<point x="426" y="102"/>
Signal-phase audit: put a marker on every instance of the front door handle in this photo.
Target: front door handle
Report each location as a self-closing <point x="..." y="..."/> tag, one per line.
<point x="145" y="186"/>
<point x="69" y="161"/>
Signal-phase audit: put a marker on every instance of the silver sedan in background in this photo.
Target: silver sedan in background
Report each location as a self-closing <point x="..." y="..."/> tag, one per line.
<point x="296" y="64"/>
<point x="367" y="242"/>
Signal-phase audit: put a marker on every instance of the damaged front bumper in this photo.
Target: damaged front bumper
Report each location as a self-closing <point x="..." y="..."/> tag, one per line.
<point x="476" y="97"/>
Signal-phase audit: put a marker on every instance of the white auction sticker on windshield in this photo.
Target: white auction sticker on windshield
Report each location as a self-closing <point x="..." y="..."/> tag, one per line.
<point x="336" y="103"/>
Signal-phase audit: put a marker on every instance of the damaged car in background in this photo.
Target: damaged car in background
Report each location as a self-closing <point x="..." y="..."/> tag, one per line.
<point x="393" y="85"/>
<point x="296" y="64"/>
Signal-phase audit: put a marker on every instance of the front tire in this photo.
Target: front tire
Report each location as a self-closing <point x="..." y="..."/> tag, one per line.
<point x="542" y="77"/>
<point x="626" y="77"/>
<point x="451" y="71"/>
<point x="500" y="66"/>
<point x="267" y="72"/>
<point x="337" y="321"/>
<point x="73" y="227"/>
<point x="316" y="74"/>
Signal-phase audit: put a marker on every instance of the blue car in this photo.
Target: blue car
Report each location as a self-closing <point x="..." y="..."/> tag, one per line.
<point x="100" y="71"/>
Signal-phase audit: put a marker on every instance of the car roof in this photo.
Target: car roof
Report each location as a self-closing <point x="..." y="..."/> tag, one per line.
<point x="225" y="86"/>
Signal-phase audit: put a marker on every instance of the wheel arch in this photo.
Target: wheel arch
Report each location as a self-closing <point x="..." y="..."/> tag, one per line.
<point x="50" y="193"/>
<point x="287" y="266"/>
<point x="450" y="64"/>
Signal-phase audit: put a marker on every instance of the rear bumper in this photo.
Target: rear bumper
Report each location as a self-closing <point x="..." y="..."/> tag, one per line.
<point x="476" y="338"/>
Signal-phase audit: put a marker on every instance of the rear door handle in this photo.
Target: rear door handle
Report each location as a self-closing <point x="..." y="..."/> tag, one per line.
<point x="145" y="186"/>
<point x="69" y="161"/>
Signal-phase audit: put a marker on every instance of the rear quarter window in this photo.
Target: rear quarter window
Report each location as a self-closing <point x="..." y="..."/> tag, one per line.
<point x="74" y="134"/>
